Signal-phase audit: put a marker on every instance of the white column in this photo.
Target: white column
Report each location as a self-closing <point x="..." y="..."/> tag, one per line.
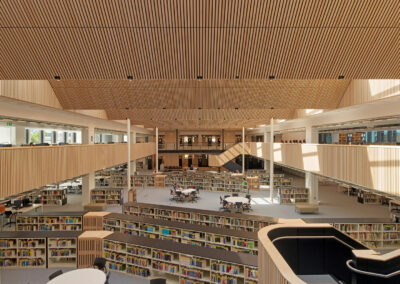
<point x="128" y="171"/>
<point x="312" y="185"/>
<point x="311" y="180"/>
<point x="156" y="149"/>
<point x="243" y="170"/>
<point x="271" y="162"/>
<point x="133" y="163"/>
<point x="311" y="135"/>
<point x="19" y="135"/>
<point x="266" y="162"/>
<point x="88" y="181"/>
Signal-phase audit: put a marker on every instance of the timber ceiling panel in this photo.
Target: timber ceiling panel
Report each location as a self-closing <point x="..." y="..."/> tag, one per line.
<point x="194" y="94"/>
<point x="183" y="39"/>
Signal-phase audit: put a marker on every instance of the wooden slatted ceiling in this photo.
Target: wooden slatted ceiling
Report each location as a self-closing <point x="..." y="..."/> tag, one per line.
<point x="192" y="94"/>
<point x="182" y="39"/>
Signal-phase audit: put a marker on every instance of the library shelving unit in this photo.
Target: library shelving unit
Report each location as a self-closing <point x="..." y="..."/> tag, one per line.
<point x="109" y="196"/>
<point x="159" y="181"/>
<point x="227" y="220"/>
<point x="380" y="233"/>
<point x="38" y="249"/>
<point x="178" y="263"/>
<point x="292" y="195"/>
<point x="50" y="221"/>
<point x="374" y="235"/>
<point x="54" y="196"/>
<point x="93" y="221"/>
<point x="143" y="180"/>
<point x="370" y="198"/>
<point x="194" y="234"/>
<point x="253" y="183"/>
<point x="62" y="250"/>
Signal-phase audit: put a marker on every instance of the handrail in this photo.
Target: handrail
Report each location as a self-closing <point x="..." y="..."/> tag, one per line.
<point x="390" y="275"/>
<point x="314" y="237"/>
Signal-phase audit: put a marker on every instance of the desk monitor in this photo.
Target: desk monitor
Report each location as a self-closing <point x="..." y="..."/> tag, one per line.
<point x="26" y="202"/>
<point x="17" y="203"/>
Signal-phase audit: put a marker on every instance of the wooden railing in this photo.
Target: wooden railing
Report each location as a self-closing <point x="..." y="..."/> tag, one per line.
<point x="374" y="167"/>
<point x="26" y="168"/>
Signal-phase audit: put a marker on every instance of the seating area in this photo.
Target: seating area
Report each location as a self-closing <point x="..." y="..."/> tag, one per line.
<point x="184" y="195"/>
<point x="235" y="203"/>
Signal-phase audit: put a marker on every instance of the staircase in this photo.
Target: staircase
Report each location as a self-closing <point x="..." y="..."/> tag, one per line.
<point x="233" y="166"/>
<point x="228" y="155"/>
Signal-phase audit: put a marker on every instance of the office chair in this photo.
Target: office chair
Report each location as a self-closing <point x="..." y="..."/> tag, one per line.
<point x="55" y="274"/>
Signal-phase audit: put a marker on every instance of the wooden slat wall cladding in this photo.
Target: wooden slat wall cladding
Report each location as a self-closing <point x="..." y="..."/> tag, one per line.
<point x="375" y="167"/>
<point x="26" y="168"/>
<point x="33" y="91"/>
<point x="304" y="39"/>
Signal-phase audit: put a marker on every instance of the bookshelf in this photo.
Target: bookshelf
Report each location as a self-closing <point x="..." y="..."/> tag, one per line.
<point x="382" y="235"/>
<point x="38" y="249"/>
<point x="50" y="221"/>
<point x="291" y="195"/>
<point x="62" y="252"/>
<point x="159" y="181"/>
<point x="227" y="220"/>
<point x="54" y="196"/>
<point x="180" y="263"/>
<point x="109" y="196"/>
<point x="253" y="183"/>
<point x="90" y="246"/>
<point x="194" y="234"/>
<point x="370" y="198"/>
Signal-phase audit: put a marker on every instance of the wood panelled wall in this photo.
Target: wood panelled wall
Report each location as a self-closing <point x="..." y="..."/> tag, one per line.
<point x="99" y="113"/>
<point x="26" y="168"/>
<point x="33" y="91"/>
<point x="375" y="167"/>
<point x="365" y="91"/>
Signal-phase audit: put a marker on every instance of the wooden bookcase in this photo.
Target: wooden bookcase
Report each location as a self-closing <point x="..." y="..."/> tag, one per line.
<point x="109" y="196"/>
<point x="382" y="235"/>
<point x="371" y="198"/>
<point x="38" y="249"/>
<point x="159" y="181"/>
<point x="54" y="196"/>
<point x="194" y="234"/>
<point x="50" y="221"/>
<point x="145" y="257"/>
<point x="253" y="183"/>
<point x="292" y="195"/>
<point x="227" y="220"/>
<point x="93" y="221"/>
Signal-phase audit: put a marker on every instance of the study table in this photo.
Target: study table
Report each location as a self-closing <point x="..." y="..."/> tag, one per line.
<point x="80" y="276"/>
<point x="234" y="199"/>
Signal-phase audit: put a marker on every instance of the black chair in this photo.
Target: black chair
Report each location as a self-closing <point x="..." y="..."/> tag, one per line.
<point x="226" y="196"/>
<point x="55" y="274"/>
<point x="225" y="206"/>
<point x="235" y="194"/>
<point x="221" y="200"/>
<point x="9" y="215"/>
<point x="247" y="206"/>
<point x="239" y="207"/>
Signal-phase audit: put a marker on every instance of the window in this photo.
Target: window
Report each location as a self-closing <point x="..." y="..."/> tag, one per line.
<point x="5" y="135"/>
<point x="34" y="136"/>
<point x="48" y="137"/>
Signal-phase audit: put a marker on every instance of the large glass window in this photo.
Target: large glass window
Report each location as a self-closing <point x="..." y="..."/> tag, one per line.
<point x="5" y="135"/>
<point x="34" y="136"/>
<point x="48" y="137"/>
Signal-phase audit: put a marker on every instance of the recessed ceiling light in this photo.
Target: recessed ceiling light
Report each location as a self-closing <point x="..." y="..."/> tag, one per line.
<point x="271" y="77"/>
<point x="58" y="78"/>
<point x="199" y="77"/>
<point x="341" y="77"/>
<point x="130" y="77"/>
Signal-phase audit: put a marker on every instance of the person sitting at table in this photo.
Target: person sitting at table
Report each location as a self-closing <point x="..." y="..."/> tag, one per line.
<point x="100" y="264"/>
<point x="175" y="187"/>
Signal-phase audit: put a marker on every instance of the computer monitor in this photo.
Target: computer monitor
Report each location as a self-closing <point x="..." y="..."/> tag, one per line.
<point x="17" y="203"/>
<point x="26" y="202"/>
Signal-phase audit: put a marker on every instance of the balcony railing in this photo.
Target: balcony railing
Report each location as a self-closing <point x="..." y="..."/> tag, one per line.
<point x="194" y="146"/>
